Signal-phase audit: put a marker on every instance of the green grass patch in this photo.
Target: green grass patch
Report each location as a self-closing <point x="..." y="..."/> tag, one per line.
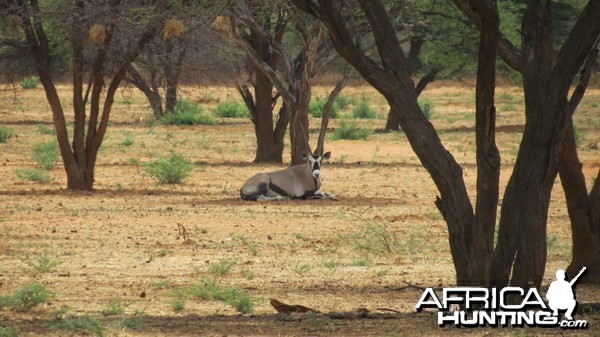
<point x="350" y="130"/>
<point x="8" y="331"/>
<point x="26" y="298"/>
<point x="79" y="324"/>
<point x="35" y="175"/>
<point x="222" y="267"/>
<point x="208" y="289"/>
<point x="5" y="133"/>
<point x="187" y="113"/>
<point x="171" y="170"/>
<point x="232" y="109"/>
<point x="44" y="129"/>
<point x="46" y="154"/>
<point x="114" y="308"/>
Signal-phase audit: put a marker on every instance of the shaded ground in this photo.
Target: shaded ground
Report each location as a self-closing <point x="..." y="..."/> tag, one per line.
<point x="137" y="242"/>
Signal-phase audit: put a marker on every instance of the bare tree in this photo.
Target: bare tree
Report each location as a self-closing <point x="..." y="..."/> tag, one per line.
<point x="99" y="28"/>
<point x="521" y="245"/>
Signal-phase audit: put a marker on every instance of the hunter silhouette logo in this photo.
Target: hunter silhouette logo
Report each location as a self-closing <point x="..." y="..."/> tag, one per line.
<point x="560" y="295"/>
<point x="508" y="306"/>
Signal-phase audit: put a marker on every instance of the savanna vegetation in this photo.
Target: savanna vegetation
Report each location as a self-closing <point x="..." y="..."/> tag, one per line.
<point x="464" y="143"/>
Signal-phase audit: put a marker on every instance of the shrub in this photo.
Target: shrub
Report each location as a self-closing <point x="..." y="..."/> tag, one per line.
<point x="363" y="109"/>
<point x="8" y="331"/>
<point x="80" y="325"/>
<point x="46" y="154"/>
<point x="46" y="130"/>
<point x="35" y="175"/>
<point x="350" y="131"/>
<point x="315" y="108"/>
<point x="171" y="170"/>
<point x="5" y="133"/>
<point x="26" y="297"/>
<point x="343" y="101"/>
<point x="207" y="289"/>
<point x="187" y="113"/>
<point x="30" y="82"/>
<point x="427" y="106"/>
<point x="232" y="109"/>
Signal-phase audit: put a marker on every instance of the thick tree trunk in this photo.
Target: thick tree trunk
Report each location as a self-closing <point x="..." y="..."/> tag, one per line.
<point x="266" y="144"/>
<point x="585" y="223"/>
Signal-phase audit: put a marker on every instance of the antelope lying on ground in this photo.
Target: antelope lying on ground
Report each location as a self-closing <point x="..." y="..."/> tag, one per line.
<point x="300" y="181"/>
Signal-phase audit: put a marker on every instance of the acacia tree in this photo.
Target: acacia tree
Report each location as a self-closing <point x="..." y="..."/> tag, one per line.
<point x="99" y="36"/>
<point x="275" y="64"/>
<point x="269" y="26"/>
<point x="521" y="245"/>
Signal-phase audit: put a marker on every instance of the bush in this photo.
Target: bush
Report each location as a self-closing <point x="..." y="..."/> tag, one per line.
<point x="35" y="175"/>
<point x="5" y="133"/>
<point x="46" y="130"/>
<point x="350" y="131"/>
<point x="8" y="331"/>
<point x="207" y="289"/>
<point x="46" y="154"/>
<point x="343" y="101"/>
<point x="363" y="109"/>
<point x="26" y="297"/>
<point x="187" y="113"/>
<point x="427" y="106"/>
<point x="172" y="170"/>
<point x="315" y="108"/>
<point x="232" y="109"/>
<point x="30" y="82"/>
<point x="81" y="325"/>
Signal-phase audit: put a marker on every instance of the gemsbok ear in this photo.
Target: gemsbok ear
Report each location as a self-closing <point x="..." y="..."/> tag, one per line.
<point x="303" y="155"/>
<point x="327" y="155"/>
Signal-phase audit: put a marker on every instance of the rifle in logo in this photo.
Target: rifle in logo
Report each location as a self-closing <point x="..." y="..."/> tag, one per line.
<point x="560" y="294"/>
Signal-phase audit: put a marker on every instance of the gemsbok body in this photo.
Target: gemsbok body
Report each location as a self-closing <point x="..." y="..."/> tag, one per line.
<point x="300" y="181"/>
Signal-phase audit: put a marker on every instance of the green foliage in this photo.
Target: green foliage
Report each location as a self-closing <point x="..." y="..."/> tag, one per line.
<point x="343" y="101"/>
<point x="8" y="331"/>
<point x="232" y="109"/>
<point x="207" y="289"/>
<point x="44" y="129"/>
<point x="5" y="133"/>
<point x="178" y="305"/>
<point x="126" y="142"/>
<point x="80" y="325"/>
<point x="35" y="175"/>
<point x="30" y="82"/>
<point x="171" y="170"/>
<point x="41" y="263"/>
<point x="363" y="109"/>
<point x="26" y="297"/>
<point x="315" y="108"/>
<point x="427" y="106"/>
<point x="187" y="113"/>
<point x="221" y="268"/>
<point x="350" y="130"/>
<point x="115" y="307"/>
<point x="46" y="154"/>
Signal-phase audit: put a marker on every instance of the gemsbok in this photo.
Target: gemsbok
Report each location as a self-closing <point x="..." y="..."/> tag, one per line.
<point x="297" y="182"/>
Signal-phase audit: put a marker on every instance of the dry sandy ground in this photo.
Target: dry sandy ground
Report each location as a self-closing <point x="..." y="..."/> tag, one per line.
<point x="374" y="248"/>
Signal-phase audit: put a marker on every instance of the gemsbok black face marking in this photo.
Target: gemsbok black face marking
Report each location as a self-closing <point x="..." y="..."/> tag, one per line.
<point x="300" y="181"/>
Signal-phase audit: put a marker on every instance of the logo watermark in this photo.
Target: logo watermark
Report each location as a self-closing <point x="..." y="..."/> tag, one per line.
<point x="479" y="307"/>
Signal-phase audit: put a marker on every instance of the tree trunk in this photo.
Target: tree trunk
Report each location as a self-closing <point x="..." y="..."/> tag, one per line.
<point x="584" y="212"/>
<point x="487" y="155"/>
<point x="266" y="144"/>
